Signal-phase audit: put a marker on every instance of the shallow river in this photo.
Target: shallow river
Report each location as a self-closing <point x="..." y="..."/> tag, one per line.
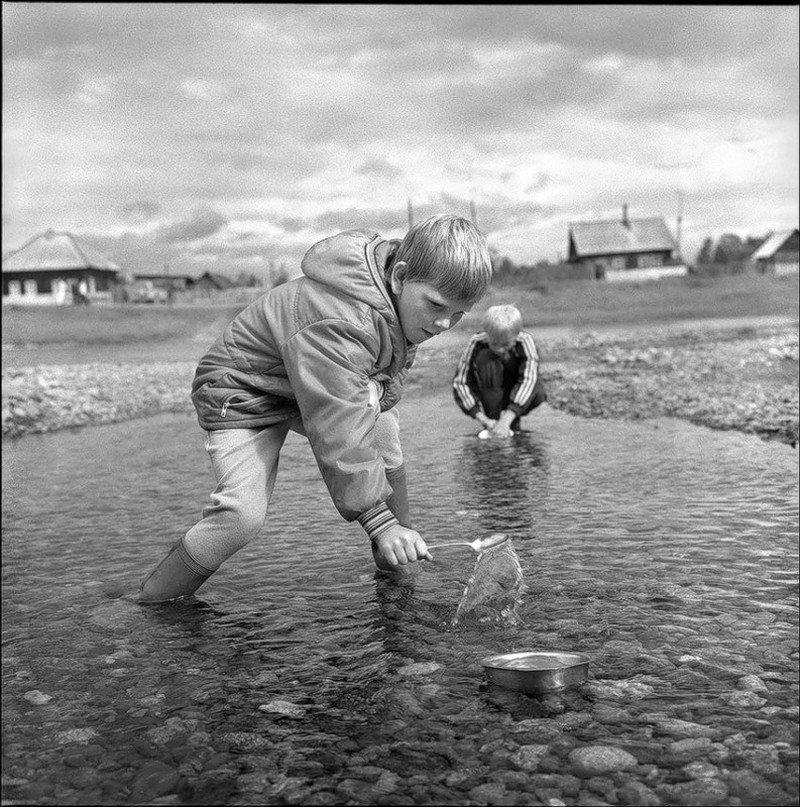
<point x="667" y="553"/>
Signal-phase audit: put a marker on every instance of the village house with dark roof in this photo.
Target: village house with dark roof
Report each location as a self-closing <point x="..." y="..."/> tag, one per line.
<point x="779" y="254"/>
<point x="624" y="248"/>
<point x="56" y="268"/>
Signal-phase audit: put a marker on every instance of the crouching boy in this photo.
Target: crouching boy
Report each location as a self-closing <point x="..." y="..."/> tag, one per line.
<point x="325" y="355"/>
<point x="497" y="380"/>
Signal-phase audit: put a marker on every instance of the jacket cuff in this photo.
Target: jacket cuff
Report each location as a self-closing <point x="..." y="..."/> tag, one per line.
<point x="515" y="408"/>
<point x="377" y="519"/>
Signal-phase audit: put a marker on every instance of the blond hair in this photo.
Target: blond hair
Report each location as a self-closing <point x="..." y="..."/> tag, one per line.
<point x="502" y="320"/>
<point x="451" y="254"/>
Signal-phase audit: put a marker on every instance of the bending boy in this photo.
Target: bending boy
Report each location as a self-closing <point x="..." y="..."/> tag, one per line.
<point x="497" y="380"/>
<point x="325" y="355"/>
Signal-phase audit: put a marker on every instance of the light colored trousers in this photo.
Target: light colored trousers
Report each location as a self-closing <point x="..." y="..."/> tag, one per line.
<point x="245" y="463"/>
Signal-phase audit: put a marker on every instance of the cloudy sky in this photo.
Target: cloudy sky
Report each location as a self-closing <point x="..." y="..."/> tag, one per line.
<point x="230" y="137"/>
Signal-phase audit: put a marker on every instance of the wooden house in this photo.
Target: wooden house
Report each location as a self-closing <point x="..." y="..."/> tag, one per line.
<point x="624" y="248"/>
<point x="779" y="254"/>
<point x="56" y="268"/>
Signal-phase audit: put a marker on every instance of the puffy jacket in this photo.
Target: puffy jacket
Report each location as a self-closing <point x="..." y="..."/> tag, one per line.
<point x="318" y="346"/>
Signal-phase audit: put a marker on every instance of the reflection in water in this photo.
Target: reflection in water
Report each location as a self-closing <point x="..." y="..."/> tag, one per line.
<point x="505" y="481"/>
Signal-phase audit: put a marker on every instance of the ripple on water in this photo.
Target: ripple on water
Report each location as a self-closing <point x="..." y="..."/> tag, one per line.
<point x="664" y="552"/>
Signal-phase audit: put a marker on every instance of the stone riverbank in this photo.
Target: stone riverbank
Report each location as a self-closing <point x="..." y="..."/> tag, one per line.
<point x="745" y="379"/>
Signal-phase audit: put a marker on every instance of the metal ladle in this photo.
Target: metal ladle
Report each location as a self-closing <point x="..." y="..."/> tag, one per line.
<point x="479" y="544"/>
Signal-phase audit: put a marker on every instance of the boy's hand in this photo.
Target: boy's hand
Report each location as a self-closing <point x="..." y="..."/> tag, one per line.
<point x="398" y="546"/>
<point x="502" y="427"/>
<point x="486" y="422"/>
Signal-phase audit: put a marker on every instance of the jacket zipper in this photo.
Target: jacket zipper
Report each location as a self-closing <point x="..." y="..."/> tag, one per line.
<point x="225" y="404"/>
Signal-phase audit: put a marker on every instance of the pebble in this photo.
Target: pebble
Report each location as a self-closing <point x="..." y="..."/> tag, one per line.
<point x="285" y="708"/>
<point x="76" y="736"/>
<point x="528" y="757"/>
<point x="593" y="760"/>
<point x="672" y="379"/>
<point x="37" y="698"/>
<point x="421" y="668"/>
<point x="629" y="690"/>
<point x="743" y="700"/>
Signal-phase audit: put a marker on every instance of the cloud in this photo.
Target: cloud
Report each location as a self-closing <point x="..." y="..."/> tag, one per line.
<point x="139" y="212"/>
<point x="201" y="223"/>
<point x="288" y="121"/>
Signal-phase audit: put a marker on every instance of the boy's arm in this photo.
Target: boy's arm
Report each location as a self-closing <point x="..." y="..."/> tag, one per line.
<point x="327" y="364"/>
<point x="462" y="384"/>
<point x="522" y="392"/>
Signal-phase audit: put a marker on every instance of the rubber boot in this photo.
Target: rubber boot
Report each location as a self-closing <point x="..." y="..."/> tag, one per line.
<point x="398" y="501"/>
<point x="176" y="576"/>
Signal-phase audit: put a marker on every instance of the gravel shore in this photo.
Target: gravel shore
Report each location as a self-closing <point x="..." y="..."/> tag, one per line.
<point x="745" y="379"/>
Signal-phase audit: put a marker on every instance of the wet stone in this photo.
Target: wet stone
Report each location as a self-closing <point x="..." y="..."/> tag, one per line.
<point x="751" y="683"/>
<point x="37" y="698"/>
<point x="629" y="690"/>
<point x="689" y="746"/>
<point x="743" y="700"/>
<point x="81" y="735"/>
<point x="541" y="730"/>
<point x="602" y="786"/>
<point x="605" y="714"/>
<point x="678" y="728"/>
<point x="421" y="668"/>
<point x="528" y="757"/>
<point x="700" y="770"/>
<point x="593" y="760"/>
<point x="154" y="779"/>
<point x="282" y="707"/>
<point x="697" y="793"/>
<point x="488" y="793"/>
<point x="638" y="793"/>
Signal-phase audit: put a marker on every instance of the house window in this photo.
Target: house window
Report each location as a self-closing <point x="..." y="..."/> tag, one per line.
<point x="31" y="289"/>
<point x="618" y="263"/>
<point x="14" y="288"/>
<point x="647" y="261"/>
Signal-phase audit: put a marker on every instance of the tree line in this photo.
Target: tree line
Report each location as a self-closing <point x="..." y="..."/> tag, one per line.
<point x="729" y="248"/>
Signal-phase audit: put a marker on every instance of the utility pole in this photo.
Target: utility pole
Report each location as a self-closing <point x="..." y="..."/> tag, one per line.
<point x="410" y="215"/>
<point x="680" y="224"/>
<point x="473" y="213"/>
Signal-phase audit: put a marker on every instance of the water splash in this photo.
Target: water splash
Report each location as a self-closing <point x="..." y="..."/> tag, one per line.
<point x="494" y="590"/>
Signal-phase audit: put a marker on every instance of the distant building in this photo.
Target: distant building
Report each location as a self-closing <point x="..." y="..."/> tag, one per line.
<point x="166" y="280"/>
<point x="779" y="254"/>
<point x="56" y="268"/>
<point x="624" y="248"/>
<point x="211" y="281"/>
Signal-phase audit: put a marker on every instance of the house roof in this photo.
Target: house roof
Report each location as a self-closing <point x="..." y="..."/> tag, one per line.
<point x="772" y="244"/>
<point x="612" y="237"/>
<point x="56" y="250"/>
<point x="215" y="279"/>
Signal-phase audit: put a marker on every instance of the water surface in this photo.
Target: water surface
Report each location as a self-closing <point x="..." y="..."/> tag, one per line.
<point x="666" y="553"/>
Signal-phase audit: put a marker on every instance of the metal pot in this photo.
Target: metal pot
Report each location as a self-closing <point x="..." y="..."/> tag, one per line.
<point x="537" y="671"/>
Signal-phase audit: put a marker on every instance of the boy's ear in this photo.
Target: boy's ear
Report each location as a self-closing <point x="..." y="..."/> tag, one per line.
<point x="397" y="276"/>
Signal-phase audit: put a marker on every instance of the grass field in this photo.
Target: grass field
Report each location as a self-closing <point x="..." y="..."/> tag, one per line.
<point x="577" y="304"/>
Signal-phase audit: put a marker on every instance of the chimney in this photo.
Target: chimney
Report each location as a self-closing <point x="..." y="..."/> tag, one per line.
<point x="626" y="222"/>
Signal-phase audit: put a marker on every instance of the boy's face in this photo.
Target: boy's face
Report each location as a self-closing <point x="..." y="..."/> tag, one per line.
<point x="423" y="310"/>
<point x="500" y="343"/>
